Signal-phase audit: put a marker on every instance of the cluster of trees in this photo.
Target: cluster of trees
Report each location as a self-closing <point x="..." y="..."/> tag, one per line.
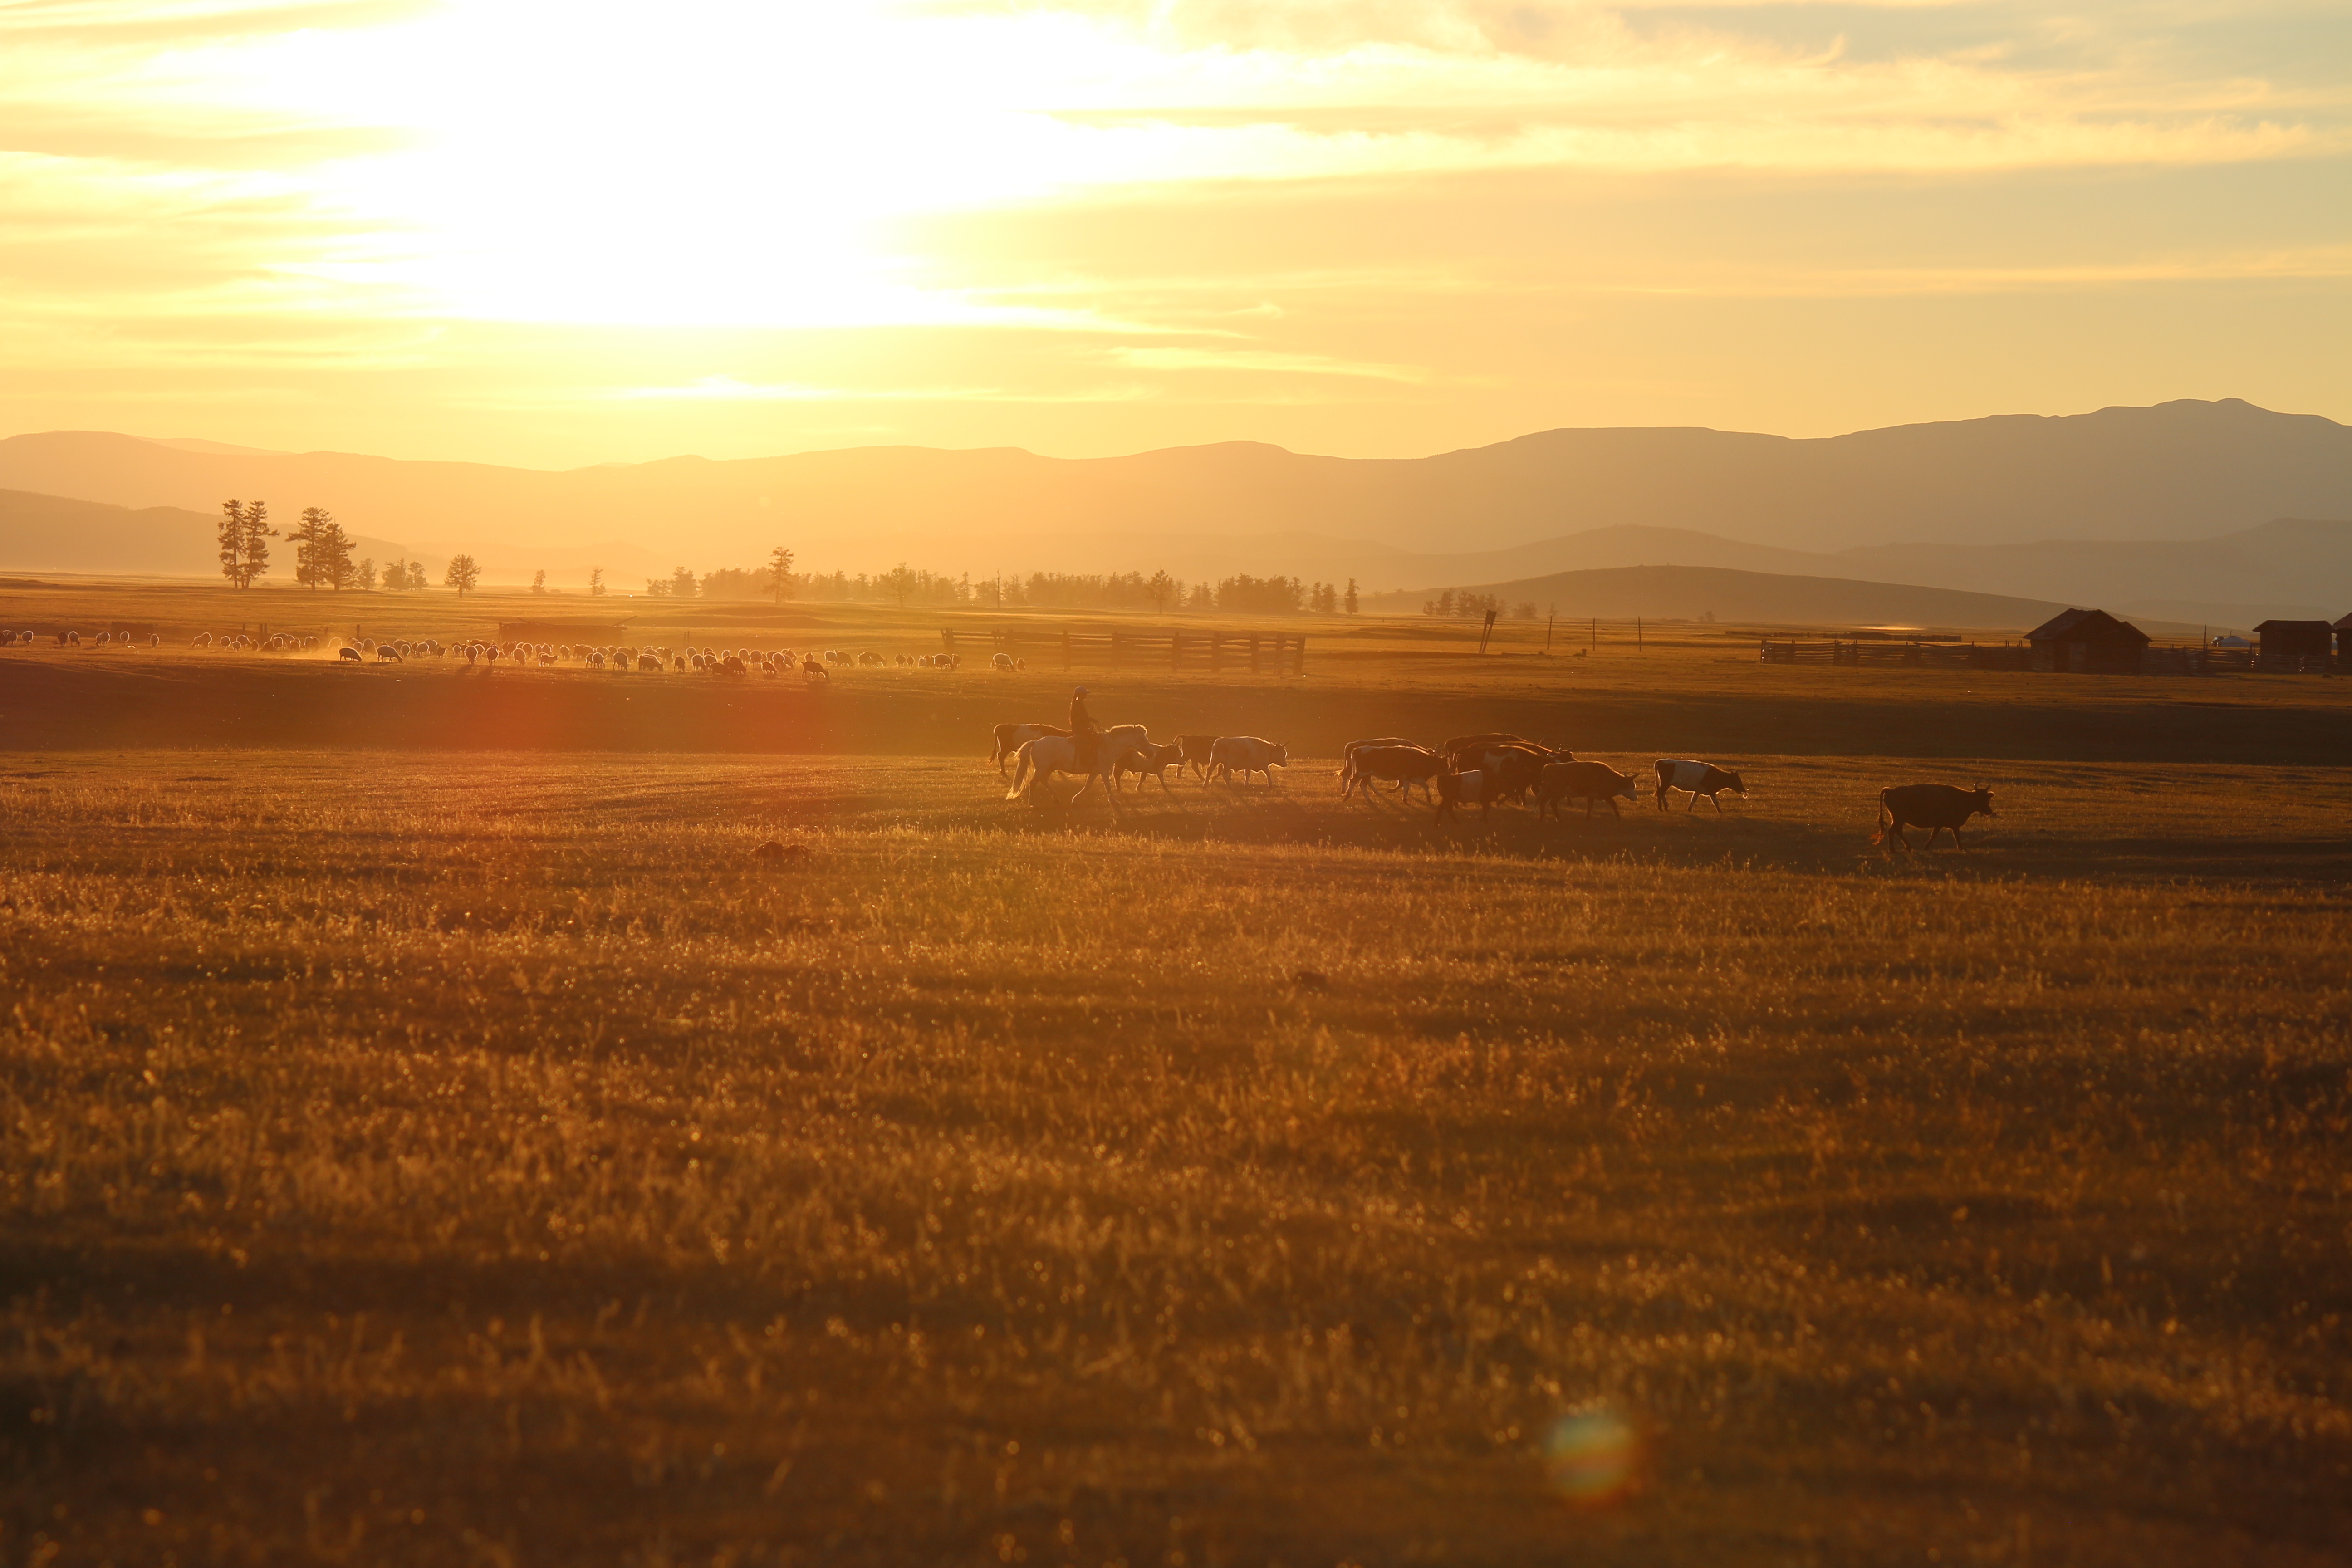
<point x="906" y="585"/>
<point x="1468" y="605"/>
<point x="322" y="553"/>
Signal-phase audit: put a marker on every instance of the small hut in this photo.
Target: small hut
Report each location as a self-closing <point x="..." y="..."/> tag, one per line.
<point x="2344" y="638"/>
<point x="2297" y="645"/>
<point x="2087" y="641"/>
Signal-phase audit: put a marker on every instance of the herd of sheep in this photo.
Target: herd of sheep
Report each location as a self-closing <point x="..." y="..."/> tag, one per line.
<point x="74" y="639"/>
<point x="814" y="664"/>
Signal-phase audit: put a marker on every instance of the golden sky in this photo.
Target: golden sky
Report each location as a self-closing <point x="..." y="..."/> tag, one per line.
<point x="562" y="233"/>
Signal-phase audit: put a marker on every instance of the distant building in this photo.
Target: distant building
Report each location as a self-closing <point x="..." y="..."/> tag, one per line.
<point x="2344" y="638"/>
<point x="2087" y="641"/>
<point x="2297" y="645"/>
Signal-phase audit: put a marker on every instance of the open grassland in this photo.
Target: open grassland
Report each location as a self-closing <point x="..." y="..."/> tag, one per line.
<point x="1700" y="697"/>
<point x="488" y="1158"/>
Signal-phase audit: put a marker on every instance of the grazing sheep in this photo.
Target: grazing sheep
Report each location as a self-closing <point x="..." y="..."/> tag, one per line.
<point x="387" y="653"/>
<point x="1003" y="661"/>
<point x="649" y="663"/>
<point x="350" y="653"/>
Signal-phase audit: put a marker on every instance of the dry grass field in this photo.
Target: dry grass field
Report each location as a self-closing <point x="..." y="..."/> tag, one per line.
<point x="485" y="1156"/>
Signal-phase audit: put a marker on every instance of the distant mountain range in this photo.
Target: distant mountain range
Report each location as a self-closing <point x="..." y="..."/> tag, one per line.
<point x="51" y="533"/>
<point x="1695" y="592"/>
<point x="2184" y="509"/>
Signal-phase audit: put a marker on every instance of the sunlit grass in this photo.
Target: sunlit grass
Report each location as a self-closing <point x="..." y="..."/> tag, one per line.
<point x="411" y="1157"/>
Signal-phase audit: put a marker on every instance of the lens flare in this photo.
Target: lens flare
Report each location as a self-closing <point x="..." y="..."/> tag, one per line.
<point x="1592" y="1455"/>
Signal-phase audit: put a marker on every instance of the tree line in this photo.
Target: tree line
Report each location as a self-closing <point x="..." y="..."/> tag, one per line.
<point x="322" y="559"/>
<point x="906" y="585"/>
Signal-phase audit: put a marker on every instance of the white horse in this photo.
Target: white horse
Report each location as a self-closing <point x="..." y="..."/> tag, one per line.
<point x="1051" y="754"/>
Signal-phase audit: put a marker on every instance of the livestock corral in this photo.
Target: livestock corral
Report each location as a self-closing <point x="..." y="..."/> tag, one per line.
<point x="456" y="1118"/>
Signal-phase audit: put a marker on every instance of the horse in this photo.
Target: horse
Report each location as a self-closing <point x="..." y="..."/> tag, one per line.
<point x="1051" y="754"/>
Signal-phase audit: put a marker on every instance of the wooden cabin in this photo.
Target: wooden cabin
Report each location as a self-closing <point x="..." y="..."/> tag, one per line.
<point x="2297" y="645"/>
<point x="2087" y="642"/>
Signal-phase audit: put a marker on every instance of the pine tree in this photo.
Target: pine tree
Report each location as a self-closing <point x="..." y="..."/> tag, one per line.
<point x="257" y="535"/>
<point x="417" y="579"/>
<point x="335" y="553"/>
<point x="780" y="574"/>
<point x="308" y="535"/>
<point x="462" y="574"/>
<point x="366" y="576"/>
<point x="232" y="542"/>
<point x="596" y="582"/>
<point x="539" y="581"/>
<point x="1349" y="602"/>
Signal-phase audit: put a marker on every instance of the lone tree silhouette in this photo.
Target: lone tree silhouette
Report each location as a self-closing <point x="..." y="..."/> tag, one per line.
<point x="780" y="574"/>
<point x="462" y="574"/>
<point x="232" y="542"/>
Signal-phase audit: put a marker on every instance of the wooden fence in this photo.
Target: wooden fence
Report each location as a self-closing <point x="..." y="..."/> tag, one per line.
<point x="1157" y="647"/>
<point x="2172" y="659"/>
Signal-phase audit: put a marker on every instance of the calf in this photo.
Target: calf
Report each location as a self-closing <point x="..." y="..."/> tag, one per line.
<point x="1699" y="779"/>
<point x="1148" y="761"/>
<point x="1587" y="782"/>
<point x="1939" y="808"/>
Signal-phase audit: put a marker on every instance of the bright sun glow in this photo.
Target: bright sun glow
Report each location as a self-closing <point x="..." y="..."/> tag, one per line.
<point x="871" y="207"/>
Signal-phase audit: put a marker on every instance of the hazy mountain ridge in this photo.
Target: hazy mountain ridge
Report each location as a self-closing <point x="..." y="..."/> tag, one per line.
<point x="55" y="533"/>
<point x="2176" y="505"/>
<point x="1692" y="592"/>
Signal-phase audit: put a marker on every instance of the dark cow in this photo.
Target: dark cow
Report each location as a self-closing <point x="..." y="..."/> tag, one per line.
<point x="1402" y="765"/>
<point x="1463" y="789"/>
<point x="1498" y="738"/>
<point x="1939" y="808"/>
<point x="1699" y="779"/>
<point x="1011" y="738"/>
<point x="1199" y="750"/>
<point x="1587" y="782"/>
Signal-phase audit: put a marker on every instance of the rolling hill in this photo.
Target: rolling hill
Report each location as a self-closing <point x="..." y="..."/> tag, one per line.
<point x="2178" y="470"/>
<point x="1691" y="592"/>
<point x="52" y="533"/>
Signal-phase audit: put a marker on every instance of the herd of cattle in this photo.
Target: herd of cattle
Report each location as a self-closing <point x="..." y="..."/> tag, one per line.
<point x="1468" y="769"/>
